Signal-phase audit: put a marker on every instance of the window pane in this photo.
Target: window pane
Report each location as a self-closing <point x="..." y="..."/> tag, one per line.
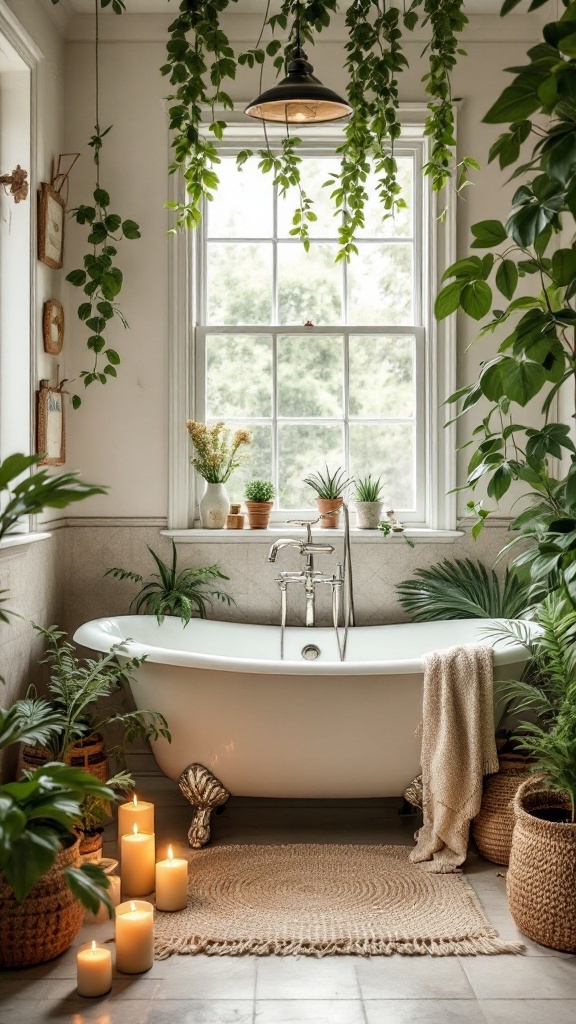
<point x="303" y="450"/>
<point x="387" y="450"/>
<point x="310" y="376"/>
<point x="401" y="224"/>
<point x="239" y="286"/>
<point x="382" y="375"/>
<point x="380" y="284"/>
<point x="243" y="204"/>
<point x="314" y="173"/>
<point x="238" y="375"/>
<point x="309" y="284"/>
<point x="258" y="466"/>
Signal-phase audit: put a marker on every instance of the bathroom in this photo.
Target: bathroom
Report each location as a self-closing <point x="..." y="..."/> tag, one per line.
<point x="130" y="437"/>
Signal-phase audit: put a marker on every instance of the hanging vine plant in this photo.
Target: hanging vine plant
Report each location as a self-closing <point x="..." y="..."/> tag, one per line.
<point x="201" y="63"/>
<point x="99" y="277"/>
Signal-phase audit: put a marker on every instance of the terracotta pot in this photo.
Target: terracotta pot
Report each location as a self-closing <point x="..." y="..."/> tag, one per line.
<point x="326" y="505"/>
<point x="258" y="514"/>
<point x="48" y="920"/>
<point x="541" y="879"/>
<point x="89" y="754"/>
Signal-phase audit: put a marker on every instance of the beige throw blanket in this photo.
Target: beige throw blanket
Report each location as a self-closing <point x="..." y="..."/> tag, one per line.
<point x="458" y="749"/>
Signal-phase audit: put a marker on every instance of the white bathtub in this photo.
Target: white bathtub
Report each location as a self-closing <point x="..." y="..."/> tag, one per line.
<point x="291" y="728"/>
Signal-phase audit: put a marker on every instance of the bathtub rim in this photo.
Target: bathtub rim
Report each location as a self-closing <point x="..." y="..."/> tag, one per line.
<point x="90" y="635"/>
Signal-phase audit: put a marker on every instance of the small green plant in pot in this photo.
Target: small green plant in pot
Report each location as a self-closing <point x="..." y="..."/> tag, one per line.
<point x="368" y="502"/>
<point x="170" y="592"/>
<point x="330" y="489"/>
<point x="95" y="812"/>
<point x="259" y="499"/>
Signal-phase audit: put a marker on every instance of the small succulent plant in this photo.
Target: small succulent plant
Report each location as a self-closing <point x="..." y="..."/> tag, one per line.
<point x="368" y="489"/>
<point x="329" y="485"/>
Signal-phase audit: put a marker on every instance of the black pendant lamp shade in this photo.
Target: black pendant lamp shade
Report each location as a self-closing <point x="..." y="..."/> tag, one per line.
<point x="300" y="98"/>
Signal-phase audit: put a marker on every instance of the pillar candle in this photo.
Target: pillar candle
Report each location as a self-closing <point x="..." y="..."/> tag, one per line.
<point x="137" y="863"/>
<point x="134" y="934"/>
<point x="93" y="970"/>
<point x="135" y="812"/>
<point x="171" y="883"/>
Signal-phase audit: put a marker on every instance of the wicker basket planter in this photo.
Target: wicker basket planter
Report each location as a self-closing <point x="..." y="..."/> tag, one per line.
<point x="492" y="828"/>
<point x="48" y="920"/>
<point x="541" y="879"/>
<point x="89" y="753"/>
<point x="91" y="845"/>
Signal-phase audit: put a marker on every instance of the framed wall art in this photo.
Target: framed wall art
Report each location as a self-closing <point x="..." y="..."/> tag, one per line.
<point x="51" y="425"/>
<point x="51" y="208"/>
<point x="53" y="327"/>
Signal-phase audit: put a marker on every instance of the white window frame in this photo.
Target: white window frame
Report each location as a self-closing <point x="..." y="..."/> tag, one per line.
<point x="436" y="445"/>
<point x="18" y="363"/>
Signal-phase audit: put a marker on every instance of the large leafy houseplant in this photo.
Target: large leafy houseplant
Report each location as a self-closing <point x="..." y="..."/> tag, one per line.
<point x="465" y="589"/>
<point x="536" y="354"/>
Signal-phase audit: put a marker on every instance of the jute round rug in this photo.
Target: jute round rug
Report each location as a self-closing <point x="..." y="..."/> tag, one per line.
<point x="328" y="900"/>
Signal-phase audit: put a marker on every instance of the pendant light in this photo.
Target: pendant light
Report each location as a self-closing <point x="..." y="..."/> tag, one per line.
<point x="300" y="98"/>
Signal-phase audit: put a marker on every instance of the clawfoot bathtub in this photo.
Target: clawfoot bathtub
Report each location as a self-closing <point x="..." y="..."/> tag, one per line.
<point x="294" y="727"/>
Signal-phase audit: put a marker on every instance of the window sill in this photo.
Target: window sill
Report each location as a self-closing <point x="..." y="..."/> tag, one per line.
<point x="20" y="540"/>
<point x="276" y="530"/>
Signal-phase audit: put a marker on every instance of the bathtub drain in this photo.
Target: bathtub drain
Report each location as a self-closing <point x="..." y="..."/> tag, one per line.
<point x="310" y="652"/>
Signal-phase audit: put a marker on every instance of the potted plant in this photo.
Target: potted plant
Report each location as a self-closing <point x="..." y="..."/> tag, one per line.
<point x="216" y="456"/>
<point x="368" y="502"/>
<point x="462" y="588"/>
<point x="169" y="592"/>
<point x="259" y="498"/>
<point x="43" y="888"/>
<point x="77" y="688"/>
<point x="330" y="489"/>
<point x="541" y="880"/>
<point x="95" y="811"/>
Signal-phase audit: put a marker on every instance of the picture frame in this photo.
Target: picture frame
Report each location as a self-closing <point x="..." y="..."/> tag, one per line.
<point x="51" y="208"/>
<point x="53" y="327"/>
<point x="51" y="425"/>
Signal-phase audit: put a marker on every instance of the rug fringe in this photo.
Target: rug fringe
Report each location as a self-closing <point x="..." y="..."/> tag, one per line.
<point x="487" y="945"/>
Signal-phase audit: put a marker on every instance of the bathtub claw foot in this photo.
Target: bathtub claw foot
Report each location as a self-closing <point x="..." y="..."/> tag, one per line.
<point x="205" y="792"/>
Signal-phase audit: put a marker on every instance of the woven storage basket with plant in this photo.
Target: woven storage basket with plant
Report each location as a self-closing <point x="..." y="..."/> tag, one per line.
<point x="89" y="754"/>
<point x="541" y="879"/>
<point x="492" y="828"/>
<point x="48" y="920"/>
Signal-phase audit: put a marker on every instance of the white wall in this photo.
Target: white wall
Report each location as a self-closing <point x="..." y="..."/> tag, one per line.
<point x="119" y="435"/>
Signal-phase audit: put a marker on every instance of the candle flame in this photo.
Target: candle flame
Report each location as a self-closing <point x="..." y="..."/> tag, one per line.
<point x="135" y="829"/>
<point x="93" y="945"/>
<point x="135" y="799"/>
<point x="170" y="853"/>
<point x="132" y="907"/>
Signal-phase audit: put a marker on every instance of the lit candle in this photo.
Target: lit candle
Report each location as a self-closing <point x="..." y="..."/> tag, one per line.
<point x="134" y="936"/>
<point x="102" y="912"/>
<point x="137" y="863"/>
<point x="171" y="883"/>
<point x="93" y="970"/>
<point x="135" y="812"/>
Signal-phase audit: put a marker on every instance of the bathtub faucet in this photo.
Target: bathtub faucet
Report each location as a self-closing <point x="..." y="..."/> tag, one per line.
<point x="307" y="576"/>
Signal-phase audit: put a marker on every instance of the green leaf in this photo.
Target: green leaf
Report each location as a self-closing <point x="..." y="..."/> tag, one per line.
<point x="507" y="278"/>
<point x="476" y="299"/>
<point x="77" y="278"/>
<point x="488" y="233"/>
<point x="130" y="229"/>
<point x="448" y="300"/>
<point x="522" y="379"/>
<point x="101" y="197"/>
<point x="564" y="266"/>
<point x="517" y="102"/>
<point x="112" y="356"/>
<point x="89" y="884"/>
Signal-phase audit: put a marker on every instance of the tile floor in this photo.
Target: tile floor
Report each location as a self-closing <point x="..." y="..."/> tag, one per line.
<point x="530" y="989"/>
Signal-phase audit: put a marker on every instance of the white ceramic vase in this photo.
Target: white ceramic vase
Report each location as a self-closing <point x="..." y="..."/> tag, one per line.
<point x="368" y="514"/>
<point x="214" y="507"/>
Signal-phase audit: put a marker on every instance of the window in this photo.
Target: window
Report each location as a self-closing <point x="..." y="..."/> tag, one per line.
<point x="323" y="361"/>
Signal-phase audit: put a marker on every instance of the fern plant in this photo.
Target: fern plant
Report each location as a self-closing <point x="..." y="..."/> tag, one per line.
<point x="169" y="592"/>
<point x="328" y="485"/>
<point x="466" y="589"/>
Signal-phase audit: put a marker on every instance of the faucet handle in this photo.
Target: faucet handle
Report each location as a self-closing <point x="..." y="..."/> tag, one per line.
<point x="307" y="524"/>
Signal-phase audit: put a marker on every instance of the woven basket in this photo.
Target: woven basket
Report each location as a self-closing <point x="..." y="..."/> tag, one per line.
<point x="541" y="879"/>
<point x="91" y="845"/>
<point x="48" y="920"/>
<point x="492" y="828"/>
<point x="88" y="753"/>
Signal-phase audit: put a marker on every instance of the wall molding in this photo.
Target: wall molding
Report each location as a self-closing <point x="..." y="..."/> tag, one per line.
<point x="99" y="522"/>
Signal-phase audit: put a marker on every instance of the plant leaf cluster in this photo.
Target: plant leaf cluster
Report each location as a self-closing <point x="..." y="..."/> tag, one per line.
<point x="463" y="588"/>
<point x="329" y="485"/>
<point x="201" y="63"/>
<point x="169" y="592"/>
<point x="259" y="490"/>
<point x="368" y="489"/>
<point x="536" y="354"/>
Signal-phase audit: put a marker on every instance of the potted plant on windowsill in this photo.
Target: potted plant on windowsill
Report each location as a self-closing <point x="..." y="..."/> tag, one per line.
<point x="259" y="499"/>
<point x="330" y="489"/>
<point x="216" y="456"/>
<point x="368" y="502"/>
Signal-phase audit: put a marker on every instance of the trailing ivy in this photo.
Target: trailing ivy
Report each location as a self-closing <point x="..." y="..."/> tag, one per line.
<point x="200" y="60"/>
<point x="99" y="277"/>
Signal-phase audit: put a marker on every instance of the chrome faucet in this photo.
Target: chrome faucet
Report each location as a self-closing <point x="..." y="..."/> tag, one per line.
<point x="307" y="576"/>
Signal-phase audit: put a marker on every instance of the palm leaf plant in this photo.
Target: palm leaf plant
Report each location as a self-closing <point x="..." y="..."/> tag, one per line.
<point x="169" y="592"/>
<point x="328" y="485"/>
<point x="466" y="589"/>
